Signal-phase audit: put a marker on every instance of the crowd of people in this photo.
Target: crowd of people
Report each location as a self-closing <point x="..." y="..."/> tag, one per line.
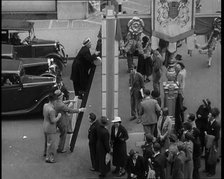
<point x="165" y="154"/>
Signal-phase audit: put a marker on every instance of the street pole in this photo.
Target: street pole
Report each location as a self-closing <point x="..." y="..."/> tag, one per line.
<point x="109" y="65"/>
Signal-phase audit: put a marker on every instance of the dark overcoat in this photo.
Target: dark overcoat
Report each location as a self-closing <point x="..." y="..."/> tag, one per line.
<point x="103" y="148"/>
<point x="80" y="68"/>
<point x="159" y="165"/>
<point x="119" y="145"/>
<point x="92" y="136"/>
<point x="137" y="169"/>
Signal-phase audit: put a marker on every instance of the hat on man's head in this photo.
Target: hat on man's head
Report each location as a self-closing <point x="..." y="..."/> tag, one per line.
<point x="92" y="116"/>
<point x="132" y="152"/>
<point x="87" y="41"/>
<point x="149" y="137"/>
<point x="58" y="93"/>
<point x="104" y="121"/>
<point x="157" y="146"/>
<point x="116" y="119"/>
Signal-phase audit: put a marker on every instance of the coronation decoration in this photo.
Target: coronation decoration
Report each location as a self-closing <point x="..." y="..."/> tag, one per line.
<point x="172" y="20"/>
<point x="133" y="38"/>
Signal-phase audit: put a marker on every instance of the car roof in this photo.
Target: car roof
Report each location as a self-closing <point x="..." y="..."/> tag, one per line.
<point x="11" y="66"/>
<point x="10" y="24"/>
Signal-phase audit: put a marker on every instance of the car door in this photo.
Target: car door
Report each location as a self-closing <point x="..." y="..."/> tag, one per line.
<point x="10" y="92"/>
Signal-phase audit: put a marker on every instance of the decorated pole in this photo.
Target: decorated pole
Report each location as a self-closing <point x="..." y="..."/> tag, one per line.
<point x="109" y="65"/>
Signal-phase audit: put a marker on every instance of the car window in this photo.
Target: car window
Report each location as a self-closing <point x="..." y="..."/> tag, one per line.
<point x="10" y="80"/>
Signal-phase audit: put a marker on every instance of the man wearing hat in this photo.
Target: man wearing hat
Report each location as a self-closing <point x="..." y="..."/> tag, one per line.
<point x="103" y="146"/>
<point x="49" y="125"/>
<point x="136" y="86"/>
<point x="62" y="124"/>
<point x="202" y="120"/>
<point x="157" y="63"/>
<point x="135" y="166"/>
<point x="213" y="129"/>
<point x="147" y="147"/>
<point x="119" y="135"/>
<point x="92" y="136"/>
<point x="158" y="162"/>
<point x="81" y="66"/>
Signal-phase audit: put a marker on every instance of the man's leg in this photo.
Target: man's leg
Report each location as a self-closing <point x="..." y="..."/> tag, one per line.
<point x="130" y="61"/>
<point x="133" y="109"/>
<point x="63" y="134"/>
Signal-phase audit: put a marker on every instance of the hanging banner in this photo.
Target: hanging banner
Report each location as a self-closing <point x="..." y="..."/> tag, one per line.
<point x="173" y="20"/>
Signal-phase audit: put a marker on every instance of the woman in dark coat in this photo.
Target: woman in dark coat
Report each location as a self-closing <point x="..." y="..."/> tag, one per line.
<point x="144" y="59"/>
<point x="119" y="135"/>
<point x="103" y="146"/>
<point x="81" y="66"/>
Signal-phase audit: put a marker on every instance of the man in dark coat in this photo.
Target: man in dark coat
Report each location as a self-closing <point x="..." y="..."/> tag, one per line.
<point x="202" y="120"/>
<point x="178" y="163"/>
<point x="136" y="86"/>
<point x="81" y="66"/>
<point x="213" y="128"/>
<point x="119" y="135"/>
<point x="179" y="115"/>
<point x="103" y="146"/>
<point x="158" y="162"/>
<point x="92" y="136"/>
<point x="156" y="70"/>
<point x="135" y="166"/>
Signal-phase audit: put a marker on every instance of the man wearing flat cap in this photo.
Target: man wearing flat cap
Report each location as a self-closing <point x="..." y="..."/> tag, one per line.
<point x="81" y="66"/>
<point x="62" y="124"/>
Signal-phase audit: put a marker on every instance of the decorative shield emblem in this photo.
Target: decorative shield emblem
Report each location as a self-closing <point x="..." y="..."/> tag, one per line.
<point x="173" y="9"/>
<point x="135" y="25"/>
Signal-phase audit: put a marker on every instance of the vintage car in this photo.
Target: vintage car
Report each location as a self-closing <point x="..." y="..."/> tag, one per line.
<point x="14" y="48"/>
<point x="22" y="93"/>
<point x="39" y="66"/>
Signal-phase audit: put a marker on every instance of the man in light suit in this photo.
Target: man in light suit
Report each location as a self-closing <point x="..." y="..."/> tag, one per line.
<point x="136" y="86"/>
<point x="148" y="111"/>
<point x="164" y="127"/>
<point x="62" y="124"/>
<point x="49" y="125"/>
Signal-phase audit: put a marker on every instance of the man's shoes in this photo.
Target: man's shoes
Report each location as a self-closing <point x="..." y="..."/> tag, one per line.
<point x="210" y="175"/>
<point x="133" y="118"/>
<point x="115" y="171"/>
<point x="92" y="169"/>
<point x="139" y="121"/>
<point x="102" y="175"/>
<point x="50" y="161"/>
<point x="61" y="151"/>
<point x="121" y="174"/>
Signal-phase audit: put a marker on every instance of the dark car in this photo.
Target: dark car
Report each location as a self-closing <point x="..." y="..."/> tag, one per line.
<point x="30" y="47"/>
<point x="22" y="93"/>
<point x="39" y="66"/>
